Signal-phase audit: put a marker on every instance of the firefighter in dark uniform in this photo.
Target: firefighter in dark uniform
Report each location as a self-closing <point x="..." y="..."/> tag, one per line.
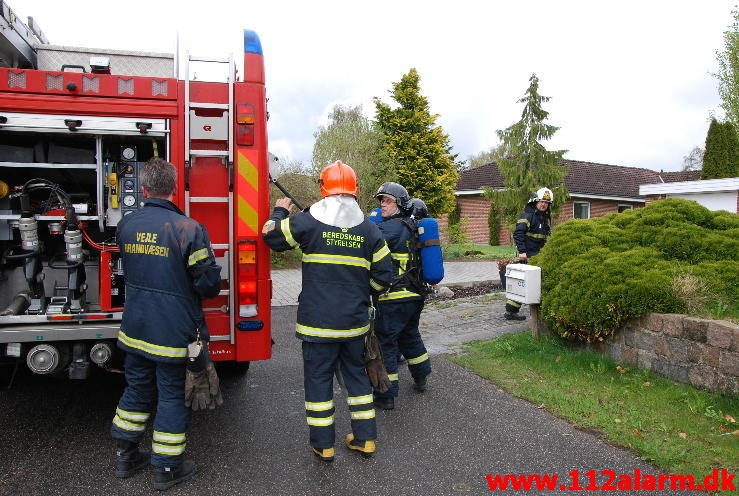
<point x="399" y="309"/>
<point x="169" y="266"/>
<point x="344" y="258"/>
<point x="532" y="229"/>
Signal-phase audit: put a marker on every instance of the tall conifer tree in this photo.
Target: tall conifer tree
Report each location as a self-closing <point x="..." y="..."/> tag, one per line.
<point x="716" y="154"/>
<point x="525" y="164"/>
<point x="731" y="167"/>
<point x="417" y="148"/>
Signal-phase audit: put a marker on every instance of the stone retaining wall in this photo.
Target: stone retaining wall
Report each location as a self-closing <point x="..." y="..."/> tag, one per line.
<point x="704" y="353"/>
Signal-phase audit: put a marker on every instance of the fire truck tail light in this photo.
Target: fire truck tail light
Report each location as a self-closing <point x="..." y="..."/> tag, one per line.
<point x="245" y="113"/>
<point x="249" y="287"/>
<point x="247" y="310"/>
<point x="247" y="257"/>
<point x="245" y="134"/>
<point x="247" y="282"/>
<point x="245" y="119"/>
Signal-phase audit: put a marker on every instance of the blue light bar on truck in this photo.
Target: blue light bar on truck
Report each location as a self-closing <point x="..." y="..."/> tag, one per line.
<point x="251" y="42"/>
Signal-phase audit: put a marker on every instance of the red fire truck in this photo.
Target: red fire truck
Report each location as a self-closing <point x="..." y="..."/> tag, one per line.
<point x="76" y="125"/>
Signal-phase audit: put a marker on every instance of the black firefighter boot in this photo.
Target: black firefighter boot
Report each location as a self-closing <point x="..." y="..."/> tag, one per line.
<point x="514" y="316"/>
<point x="128" y="458"/>
<point x="164" y="478"/>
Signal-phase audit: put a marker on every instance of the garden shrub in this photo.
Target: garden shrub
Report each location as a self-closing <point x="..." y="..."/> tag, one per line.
<point x="670" y="256"/>
<point x="493" y="225"/>
<point x="457" y="232"/>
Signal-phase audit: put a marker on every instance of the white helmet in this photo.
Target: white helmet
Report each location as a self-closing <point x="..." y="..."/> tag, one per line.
<point x="543" y="194"/>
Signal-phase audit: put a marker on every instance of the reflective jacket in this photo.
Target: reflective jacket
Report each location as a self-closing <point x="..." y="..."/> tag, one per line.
<point x="398" y="237"/>
<point x="340" y="268"/>
<point x="169" y="266"/>
<point x="532" y="230"/>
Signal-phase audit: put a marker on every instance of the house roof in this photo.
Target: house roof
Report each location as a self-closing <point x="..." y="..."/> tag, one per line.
<point x="678" y="177"/>
<point x="585" y="178"/>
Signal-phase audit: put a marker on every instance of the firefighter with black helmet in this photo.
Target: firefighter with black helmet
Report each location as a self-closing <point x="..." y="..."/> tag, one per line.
<point x="344" y="258"/>
<point x="532" y="230"/>
<point x="399" y="309"/>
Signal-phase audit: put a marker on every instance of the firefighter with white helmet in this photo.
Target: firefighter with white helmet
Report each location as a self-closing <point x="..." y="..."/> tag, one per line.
<point x="532" y="229"/>
<point x="344" y="258"/>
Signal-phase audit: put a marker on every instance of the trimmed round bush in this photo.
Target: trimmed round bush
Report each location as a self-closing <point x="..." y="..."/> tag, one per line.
<point x="671" y="256"/>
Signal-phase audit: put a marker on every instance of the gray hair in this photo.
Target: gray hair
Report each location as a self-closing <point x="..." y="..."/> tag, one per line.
<point x="159" y="177"/>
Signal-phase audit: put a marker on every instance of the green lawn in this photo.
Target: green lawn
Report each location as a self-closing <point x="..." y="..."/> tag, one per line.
<point x="470" y="251"/>
<point x="673" y="426"/>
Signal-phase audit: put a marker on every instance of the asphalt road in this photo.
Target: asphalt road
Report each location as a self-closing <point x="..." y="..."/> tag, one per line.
<point x="54" y="437"/>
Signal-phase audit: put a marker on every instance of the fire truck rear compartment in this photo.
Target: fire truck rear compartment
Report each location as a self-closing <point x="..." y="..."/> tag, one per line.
<point x="54" y="336"/>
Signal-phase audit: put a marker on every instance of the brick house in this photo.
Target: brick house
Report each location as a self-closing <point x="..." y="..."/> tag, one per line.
<point x="595" y="190"/>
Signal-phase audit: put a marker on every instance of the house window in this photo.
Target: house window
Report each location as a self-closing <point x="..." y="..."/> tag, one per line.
<point x="623" y="207"/>
<point x="581" y="210"/>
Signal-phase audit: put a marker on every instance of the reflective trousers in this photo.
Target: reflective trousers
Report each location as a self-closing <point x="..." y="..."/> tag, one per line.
<point x="144" y="378"/>
<point x="319" y="365"/>
<point x="397" y="329"/>
<point x="512" y="306"/>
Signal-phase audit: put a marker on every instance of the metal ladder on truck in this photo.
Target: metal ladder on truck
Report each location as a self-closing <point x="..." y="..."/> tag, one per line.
<point x="217" y="131"/>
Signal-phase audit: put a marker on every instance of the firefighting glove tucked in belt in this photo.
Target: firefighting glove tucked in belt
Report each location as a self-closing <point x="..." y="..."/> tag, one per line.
<point x="202" y="388"/>
<point x="374" y="363"/>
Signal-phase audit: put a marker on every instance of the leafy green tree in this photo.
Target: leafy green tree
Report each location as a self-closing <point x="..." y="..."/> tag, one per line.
<point x="482" y="158"/>
<point x="523" y="161"/>
<point x="352" y="138"/>
<point x="693" y="161"/>
<point x="728" y="73"/>
<point x="296" y="178"/>
<point x="418" y="149"/>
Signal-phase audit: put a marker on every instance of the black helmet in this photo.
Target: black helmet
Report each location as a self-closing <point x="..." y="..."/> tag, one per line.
<point x="396" y="191"/>
<point x="417" y="208"/>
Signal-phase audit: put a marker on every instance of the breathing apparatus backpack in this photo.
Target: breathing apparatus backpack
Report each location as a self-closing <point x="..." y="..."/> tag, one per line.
<point x="426" y="264"/>
<point x="432" y="262"/>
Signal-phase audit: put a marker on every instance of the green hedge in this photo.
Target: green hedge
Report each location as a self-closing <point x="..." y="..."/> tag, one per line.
<point x="667" y="257"/>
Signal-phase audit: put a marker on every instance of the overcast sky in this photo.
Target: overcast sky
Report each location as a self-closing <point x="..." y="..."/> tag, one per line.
<point x="630" y="81"/>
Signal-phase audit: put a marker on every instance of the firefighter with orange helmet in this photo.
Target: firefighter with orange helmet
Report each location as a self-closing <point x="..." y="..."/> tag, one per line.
<point x="532" y="229"/>
<point x="345" y="258"/>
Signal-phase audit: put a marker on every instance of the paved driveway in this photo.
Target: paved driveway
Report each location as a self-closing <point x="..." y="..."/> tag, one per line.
<point x="286" y="283"/>
<point x="54" y="435"/>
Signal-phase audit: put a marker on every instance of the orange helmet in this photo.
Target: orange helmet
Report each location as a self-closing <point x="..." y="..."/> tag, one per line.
<point x="338" y="179"/>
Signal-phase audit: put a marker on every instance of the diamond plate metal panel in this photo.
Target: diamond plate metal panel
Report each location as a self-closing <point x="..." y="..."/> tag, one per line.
<point x="159" y="87"/>
<point x="161" y="65"/>
<point x="16" y="80"/>
<point x="91" y="84"/>
<point x="125" y="86"/>
<point x="54" y="82"/>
